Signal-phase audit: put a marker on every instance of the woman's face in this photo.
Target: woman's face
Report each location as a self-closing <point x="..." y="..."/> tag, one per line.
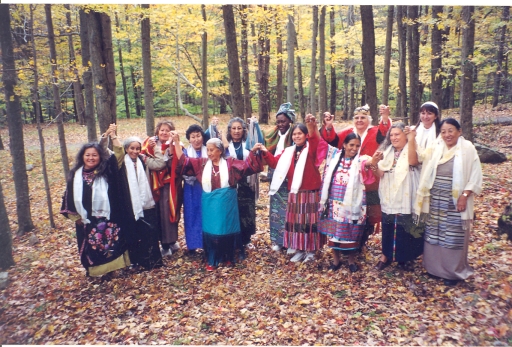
<point x="427" y="118"/>
<point x="133" y="150"/>
<point x="196" y="140"/>
<point x="237" y="131"/>
<point x="91" y="158"/>
<point x="283" y="123"/>
<point x="164" y="133"/>
<point x="361" y="122"/>
<point x="298" y="137"/>
<point x="351" y="148"/>
<point x="450" y="134"/>
<point x="398" y="138"/>
<point x="213" y="152"/>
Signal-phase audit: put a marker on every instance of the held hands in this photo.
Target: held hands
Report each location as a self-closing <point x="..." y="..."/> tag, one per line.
<point x="384" y="111"/>
<point x="328" y="120"/>
<point x="215" y="120"/>
<point x="253" y="120"/>
<point x="259" y="146"/>
<point x="377" y="156"/>
<point x="175" y="138"/>
<point x="310" y="119"/>
<point x="410" y="131"/>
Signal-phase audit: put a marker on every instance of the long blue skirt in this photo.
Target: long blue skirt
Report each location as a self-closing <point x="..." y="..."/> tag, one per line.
<point x="192" y="215"/>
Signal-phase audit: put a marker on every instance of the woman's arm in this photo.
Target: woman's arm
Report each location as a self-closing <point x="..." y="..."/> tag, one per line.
<point x="411" y="145"/>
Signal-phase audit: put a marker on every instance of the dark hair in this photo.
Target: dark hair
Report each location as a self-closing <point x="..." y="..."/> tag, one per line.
<point x="101" y="169"/>
<point x="431" y="109"/>
<point x="451" y="121"/>
<point x="230" y="124"/>
<point x="301" y="127"/>
<point x="194" y="128"/>
<point x="164" y="122"/>
<point x="348" y="138"/>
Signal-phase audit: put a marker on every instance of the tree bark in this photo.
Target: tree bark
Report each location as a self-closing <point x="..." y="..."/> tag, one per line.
<point x="322" y="78"/>
<point x="368" y="57"/>
<point x="235" y="86"/>
<point x="466" y="85"/>
<point x="436" y="80"/>
<point x="90" y="118"/>
<point x="56" y="92"/>
<point x="402" y="79"/>
<point x="413" y="43"/>
<point x="312" y="81"/>
<point x="121" y="69"/>
<point x="145" y="32"/>
<point x="262" y="73"/>
<point x="302" y="97"/>
<point x="37" y="110"/>
<point x="15" y="124"/>
<point x="387" y="54"/>
<point x="136" y="89"/>
<point x="279" y="67"/>
<point x="6" y="258"/>
<point x="290" y="50"/>
<point x="244" y="58"/>
<point x="204" y="70"/>
<point x="499" y="56"/>
<point x="334" y="86"/>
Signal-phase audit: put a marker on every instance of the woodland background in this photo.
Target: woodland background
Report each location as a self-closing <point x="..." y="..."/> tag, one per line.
<point x="69" y="71"/>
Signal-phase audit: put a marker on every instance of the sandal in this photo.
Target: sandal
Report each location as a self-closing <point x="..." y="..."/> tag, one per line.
<point x="382" y="265"/>
<point x="335" y="267"/>
<point x="353" y="267"/>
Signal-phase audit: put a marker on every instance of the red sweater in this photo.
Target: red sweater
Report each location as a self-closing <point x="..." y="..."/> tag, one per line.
<point x="311" y="179"/>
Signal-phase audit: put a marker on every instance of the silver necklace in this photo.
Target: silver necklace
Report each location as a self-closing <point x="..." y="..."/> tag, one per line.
<point x="215" y="173"/>
<point x="236" y="149"/>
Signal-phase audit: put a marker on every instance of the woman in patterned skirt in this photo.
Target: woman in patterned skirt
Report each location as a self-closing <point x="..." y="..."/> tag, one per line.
<point x="450" y="178"/>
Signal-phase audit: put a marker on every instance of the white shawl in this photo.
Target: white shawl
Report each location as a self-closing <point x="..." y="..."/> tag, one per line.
<point x="401" y="170"/>
<point x="207" y="175"/>
<point x="281" y="142"/>
<point x="424" y="136"/>
<point x="140" y="192"/>
<point x="283" y="165"/>
<point x="232" y="151"/>
<point x="191" y="153"/>
<point x="100" y="202"/>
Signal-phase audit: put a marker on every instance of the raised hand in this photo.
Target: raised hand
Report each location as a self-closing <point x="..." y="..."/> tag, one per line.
<point x="328" y="120"/>
<point x="384" y="111"/>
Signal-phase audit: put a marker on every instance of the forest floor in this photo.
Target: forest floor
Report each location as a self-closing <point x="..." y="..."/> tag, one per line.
<point x="263" y="300"/>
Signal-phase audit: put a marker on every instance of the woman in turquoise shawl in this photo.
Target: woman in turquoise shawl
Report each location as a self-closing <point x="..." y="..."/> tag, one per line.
<point x="219" y="177"/>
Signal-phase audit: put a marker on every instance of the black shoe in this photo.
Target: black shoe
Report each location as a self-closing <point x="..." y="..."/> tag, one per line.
<point x="450" y="282"/>
<point x="406" y="266"/>
<point x="335" y="267"/>
<point x="353" y="267"/>
<point x="382" y="265"/>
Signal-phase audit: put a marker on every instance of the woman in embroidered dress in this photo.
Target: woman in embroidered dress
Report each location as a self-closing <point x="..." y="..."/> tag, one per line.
<point x="166" y="186"/>
<point x="219" y="177"/>
<point x="140" y="221"/>
<point x="343" y="199"/>
<point x="192" y="191"/>
<point x="371" y="138"/>
<point x="297" y="163"/>
<point x="401" y="240"/>
<point x="238" y="145"/>
<point x="450" y="178"/>
<point x="276" y="141"/>
<point x="93" y="201"/>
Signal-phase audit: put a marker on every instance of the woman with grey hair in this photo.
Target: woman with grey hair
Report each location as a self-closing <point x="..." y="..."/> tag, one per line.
<point x="141" y="219"/>
<point x="402" y="240"/>
<point x="219" y="176"/>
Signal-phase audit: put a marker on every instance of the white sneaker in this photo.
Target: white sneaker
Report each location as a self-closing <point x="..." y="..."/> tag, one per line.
<point x="165" y="252"/>
<point x="291" y="251"/>
<point x="310" y="256"/>
<point x="276" y="248"/>
<point x="298" y="256"/>
<point x="175" y="247"/>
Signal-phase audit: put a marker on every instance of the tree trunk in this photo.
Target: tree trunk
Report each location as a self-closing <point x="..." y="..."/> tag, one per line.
<point x="37" y="110"/>
<point x="387" y="54"/>
<point x="136" y="89"/>
<point x="466" y="85"/>
<point x="413" y="43"/>
<point x="402" y="79"/>
<point x="368" y="57"/>
<point x="244" y="58"/>
<point x="346" y="83"/>
<point x="262" y="74"/>
<point x="436" y="80"/>
<point x="90" y="118"/>
<point x="352" y="85"/>
<point x="15" y="124"/>
<point x="322" y="79"/>
<point x="500" y="56"/>
<point x="279" y="67"/>
<point x="302" y="97"/>
<point x="204" y="70"/>
<point x="334" y="86"/>
<point x="312" y="81"/>
<point x="145" y="33"/>
<point x="121" y="69"/>
<point x="56" y="92"/>
<point x="290" y="44"/>
<point x="6" y="258"/>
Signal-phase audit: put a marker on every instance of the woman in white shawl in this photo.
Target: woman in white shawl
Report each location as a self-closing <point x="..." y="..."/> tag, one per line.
<point x="450" y="178"/>
<point x="401" y="240"/>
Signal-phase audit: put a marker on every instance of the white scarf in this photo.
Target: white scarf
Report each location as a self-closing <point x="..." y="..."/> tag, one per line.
<point x="281" y="142"/>
<point x="425" y="137"/>
<point x="140" y="192"/>
<point x="283" y="165"/>
<point x="401" y="170"/>
<point x="192" y="153"/>
<point x="232" y="151"/>
<point x="353" y="199"/>
<point x="100" y="202"/>
<point x="207" y="175"/>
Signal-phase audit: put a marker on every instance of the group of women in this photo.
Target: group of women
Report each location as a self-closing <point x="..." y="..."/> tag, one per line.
<point x="418" y="182"/>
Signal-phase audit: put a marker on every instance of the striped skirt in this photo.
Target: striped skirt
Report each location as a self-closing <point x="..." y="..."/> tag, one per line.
<point x="301" y="222"/>
<point x="278" y="205"/>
